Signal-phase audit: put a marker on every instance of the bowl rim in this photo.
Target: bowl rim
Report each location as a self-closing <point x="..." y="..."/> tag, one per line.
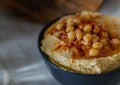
<point x="41" y="36"/>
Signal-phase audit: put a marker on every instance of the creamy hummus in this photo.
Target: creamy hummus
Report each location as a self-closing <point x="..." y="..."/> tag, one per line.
<point x="85" y="42"/>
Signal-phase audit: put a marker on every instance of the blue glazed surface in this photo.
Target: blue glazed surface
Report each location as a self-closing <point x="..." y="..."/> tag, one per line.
<point x="71" y="78"/>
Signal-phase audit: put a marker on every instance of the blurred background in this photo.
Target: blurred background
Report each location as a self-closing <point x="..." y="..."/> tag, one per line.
<point x="20" y="24"/>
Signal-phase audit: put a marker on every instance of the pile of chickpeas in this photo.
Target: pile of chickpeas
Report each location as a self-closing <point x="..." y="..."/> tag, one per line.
<point x="88" y="35"/>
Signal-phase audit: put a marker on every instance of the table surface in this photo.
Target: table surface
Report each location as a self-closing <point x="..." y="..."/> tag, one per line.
<point x="18" y="44"/>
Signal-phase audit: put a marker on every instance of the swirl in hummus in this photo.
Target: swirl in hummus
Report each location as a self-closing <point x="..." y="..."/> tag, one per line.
<point x="85" y="42"/>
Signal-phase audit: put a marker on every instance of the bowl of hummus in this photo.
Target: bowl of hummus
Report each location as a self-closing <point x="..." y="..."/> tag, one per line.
<point x="82" y="48"/>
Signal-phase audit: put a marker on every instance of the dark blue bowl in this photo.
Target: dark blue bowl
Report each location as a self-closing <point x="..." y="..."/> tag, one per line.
<point x="72" y="78"/>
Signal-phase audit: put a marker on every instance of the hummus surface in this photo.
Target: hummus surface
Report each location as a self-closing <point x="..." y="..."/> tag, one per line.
<point x="85" y="42"/>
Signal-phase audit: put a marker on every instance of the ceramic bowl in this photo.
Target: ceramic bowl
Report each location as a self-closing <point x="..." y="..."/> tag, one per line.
<point x="71" y="78"/>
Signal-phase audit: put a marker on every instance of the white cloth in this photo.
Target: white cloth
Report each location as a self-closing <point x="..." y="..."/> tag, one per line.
<point x="18" y="50"/>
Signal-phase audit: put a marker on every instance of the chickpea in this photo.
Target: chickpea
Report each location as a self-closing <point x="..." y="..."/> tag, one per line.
<point x="69" y="29"/>
<point x="71" y="35"/>
<point x="115" y="41"/>
<point x="97" y="45"/>
<point x="86" y="43"/>
<point x="85" y="15"/>
<point x="96" y="30"/>
<point x="59" y="26"/>
<point x="76" y="21"/>
<point x="93" y="52"/>
<point x="79" y="34"/>
<point x="87" y="28"/>
<point x="104" y="34"/>
<point x="87" y="37"/>
<point x="70" y="22"/>
<point x="95" y="38"/>
<point x="104" y="41"/>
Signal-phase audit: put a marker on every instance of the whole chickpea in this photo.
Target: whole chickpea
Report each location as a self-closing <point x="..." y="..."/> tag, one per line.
<point x="79" y="34"/>
<point x="87" y="37"/>
<point x="69" y="29"/>
<point x="93" y="52"/>
<point x="76" y="21"/>
<point x="59" y="26"/>
<point x="95" y="38"/>
<point x="97" y="45"/>
<point x="85" y="15"/>
<point x="104" y="34"/>
<point x="115" y="41"/>
<point x="104" y="41"/>
<point x="86" y="43"/>
<point x="69" y="22"/>
<point x="87" y="28"/>
<point x="71" y="35"/>
<point x="96" y="30"/>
